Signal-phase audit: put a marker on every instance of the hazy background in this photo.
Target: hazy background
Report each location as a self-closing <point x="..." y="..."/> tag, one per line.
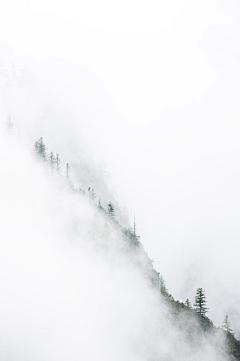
<point x="148" y="94"/>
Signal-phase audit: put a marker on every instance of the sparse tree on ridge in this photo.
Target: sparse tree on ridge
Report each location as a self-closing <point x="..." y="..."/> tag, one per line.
<point x="188" y="303"/>
<point x="40" y="149"/>
<point x="36" y="147"/>
<point x="111" y="211"/>
<point x="52" y="160"/>
<point x="134" y="227"/>
<point x="10" y="125"/>
<point x="67" y="171"/>
<point x="163" y="288"/>
<point x="226" y="326"/>
<point x="57" y="161"/>
<point x="92" y="193"/>
<point x="200" y="302"/>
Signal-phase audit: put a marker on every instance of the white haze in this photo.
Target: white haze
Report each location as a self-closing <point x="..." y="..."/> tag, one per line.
<point x="151" y="90"/>
<point x="67" y="290"/>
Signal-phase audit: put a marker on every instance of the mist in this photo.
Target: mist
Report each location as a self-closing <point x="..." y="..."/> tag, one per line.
<point x="69" y="290"/>
<point x="146" y="113"/>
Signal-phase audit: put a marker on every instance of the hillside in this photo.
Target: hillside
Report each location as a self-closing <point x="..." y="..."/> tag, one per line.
<point x="162" y="328"/>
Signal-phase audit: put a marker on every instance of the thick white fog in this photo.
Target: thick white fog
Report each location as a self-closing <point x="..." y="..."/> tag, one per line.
<point x="68" y="291"/>
<point x="142" y="100"/>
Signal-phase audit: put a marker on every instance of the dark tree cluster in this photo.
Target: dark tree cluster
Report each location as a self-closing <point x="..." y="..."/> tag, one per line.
<point x="53" y="160"/>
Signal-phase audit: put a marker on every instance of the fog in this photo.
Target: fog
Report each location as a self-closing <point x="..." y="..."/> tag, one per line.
<point x="68" y="290"/>
<point x="142" y="101"/>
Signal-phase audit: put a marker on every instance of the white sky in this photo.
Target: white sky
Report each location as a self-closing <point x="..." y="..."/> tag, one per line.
<point x="161" y="107"/>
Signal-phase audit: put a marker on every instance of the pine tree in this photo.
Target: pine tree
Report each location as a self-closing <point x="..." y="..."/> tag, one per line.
<point x="36" y="148"/>
<point x="67" y="171"/>
<point x="226" y="326"/>
<point x="111" y="211"/>
<point x="92" y="193"/>
<point x="163" y="288"/>
<point x="10" y="125"/>
<point x="188" y="303"/>
<point x="40" y="149"/>
<point x="200" y="302"/>
<point x="57" y="162"/>
<point x="52" y="160"/>
<point x="134" y="227"/>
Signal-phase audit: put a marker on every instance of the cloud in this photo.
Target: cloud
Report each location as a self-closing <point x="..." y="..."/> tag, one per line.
<point x="68" y="288"/>
<point x="158" y="111"/>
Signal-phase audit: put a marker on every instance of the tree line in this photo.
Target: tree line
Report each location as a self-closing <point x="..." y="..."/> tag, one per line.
<point x="199" y="308"/>
<point x="53" y="160"/>
<point x="200" y="299"/>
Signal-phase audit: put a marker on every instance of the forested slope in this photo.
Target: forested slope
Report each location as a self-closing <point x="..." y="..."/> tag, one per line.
<point x="192" y="323"/>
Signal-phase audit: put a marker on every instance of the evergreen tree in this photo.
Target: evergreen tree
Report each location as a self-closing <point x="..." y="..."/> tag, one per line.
<point x="134" y="227"/>
<point x="91" y="193"/>
<point x="188" y="303"/>
<point x="40" y="149"/>
<point x="67" y="171"/>
<point x="52" y="160"/>
<point x="226" y="326"/>
<point x="200" y="302"/>
<point x="57" y="162"/>
<point x="111" y="211"/>
<point x="10" y="125"/>
<point x="36" y="147"/>
<point x="163" y="288"/>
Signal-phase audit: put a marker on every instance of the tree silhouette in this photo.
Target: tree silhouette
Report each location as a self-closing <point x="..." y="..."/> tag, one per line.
<point x="52" y="160"/>
<point x="111" y="211"/>
<point x="10" y="125"/>
<point x="163" y="288"/>
<point x="67" y="171"/>
<point x="92" y="193"/>
<point x="200" y="302"/>
<point x="57" y="161"/>
<point x="188" y="303"/>
<point x="40" y="149"/>
<point x="226" y="326"/>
